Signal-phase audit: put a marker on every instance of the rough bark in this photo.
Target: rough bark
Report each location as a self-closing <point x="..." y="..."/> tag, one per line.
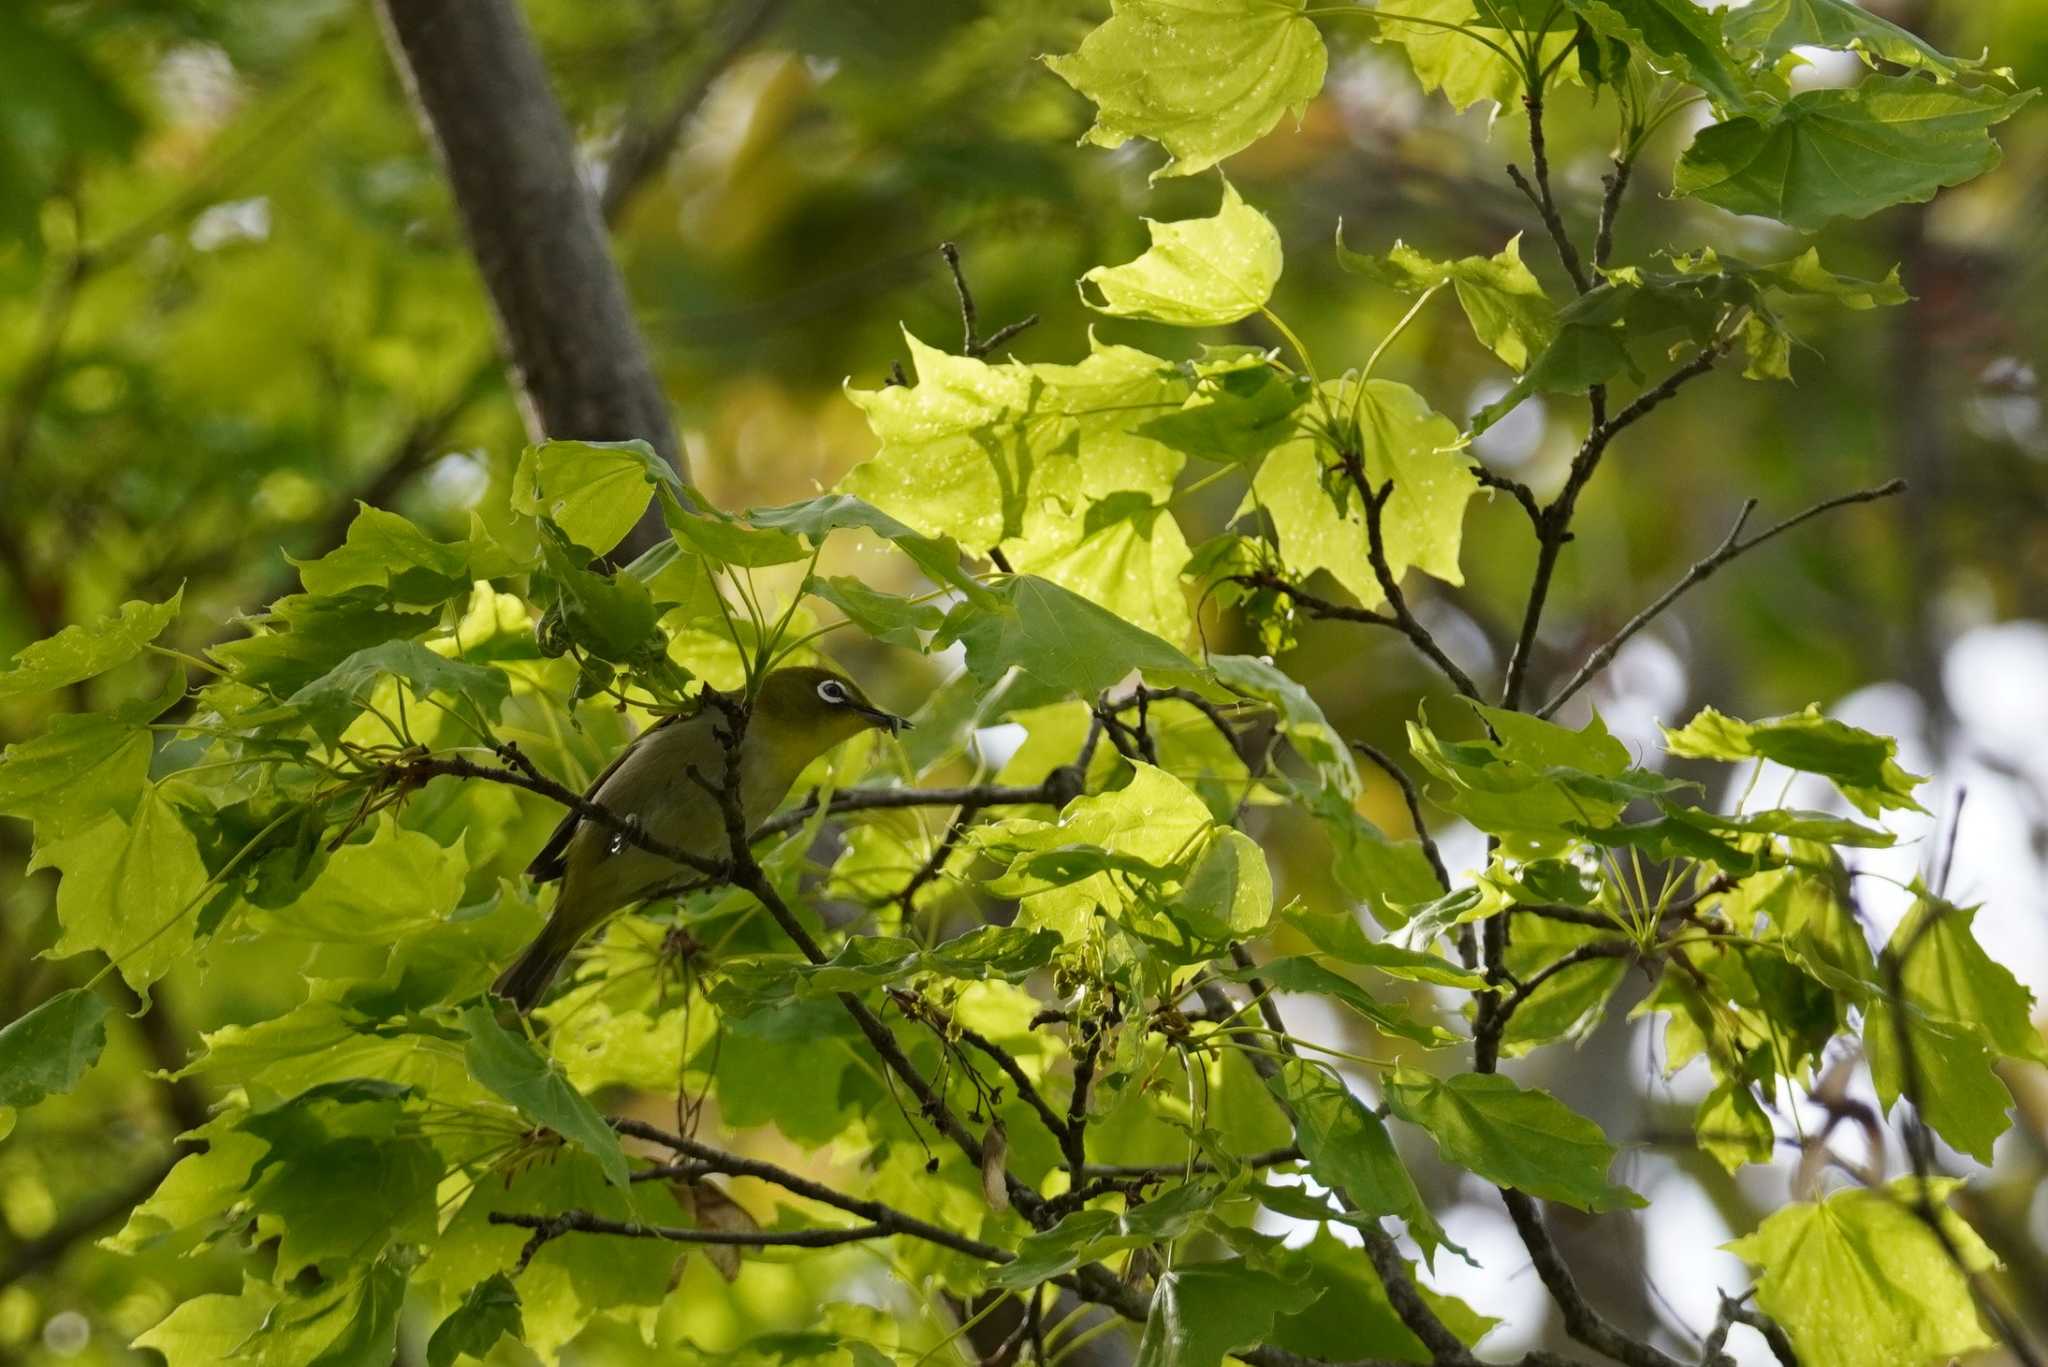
<point x="577" y="361"/>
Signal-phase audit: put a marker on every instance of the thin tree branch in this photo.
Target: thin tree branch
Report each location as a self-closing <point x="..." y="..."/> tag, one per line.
<point x="1540" y="195"/>
<point x="644" y="145"/>
<point x="1616" y="183"/>
<point x="1581" y="1320"/>
<point x="705" y="1158"/>
<point x="1411" y="796"/>
<point x="1553" y="529"/>
<point x="414" y="771"/>
<point x="1390" y="585"/>
<point x="1497" y="1022"/>
<point x="1731" y="546"/>
<point x="1774" y="1334"/>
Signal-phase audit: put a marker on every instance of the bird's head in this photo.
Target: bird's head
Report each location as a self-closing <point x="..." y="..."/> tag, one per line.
<point x="822" y="706"/>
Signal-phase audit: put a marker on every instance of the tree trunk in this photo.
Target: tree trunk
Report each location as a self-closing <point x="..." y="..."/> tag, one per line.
<point x="576" y="358"/>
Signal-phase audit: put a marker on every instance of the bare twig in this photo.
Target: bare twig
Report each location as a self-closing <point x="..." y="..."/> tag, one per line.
<point x="1731" y="546"/>
<point x="1539" y="194"/>
<point x="971" y="343"/>
<point x="1413" y="798"/>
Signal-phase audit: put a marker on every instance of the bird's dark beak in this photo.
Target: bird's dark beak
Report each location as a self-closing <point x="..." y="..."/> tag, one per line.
<point x="888" y="721"/>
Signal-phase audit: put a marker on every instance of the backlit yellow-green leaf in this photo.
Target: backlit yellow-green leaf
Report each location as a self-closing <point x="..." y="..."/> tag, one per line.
<point x="1202" y="78"/>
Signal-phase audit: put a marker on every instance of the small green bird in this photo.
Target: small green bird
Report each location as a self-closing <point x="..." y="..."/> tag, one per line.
<point x="799" y="713"/>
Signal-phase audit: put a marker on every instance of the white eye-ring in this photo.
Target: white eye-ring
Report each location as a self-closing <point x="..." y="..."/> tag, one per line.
<point x="831" y="692"/>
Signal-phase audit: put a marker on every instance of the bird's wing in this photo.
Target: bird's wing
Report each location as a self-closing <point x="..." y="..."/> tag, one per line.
<point x="553" y="859"/>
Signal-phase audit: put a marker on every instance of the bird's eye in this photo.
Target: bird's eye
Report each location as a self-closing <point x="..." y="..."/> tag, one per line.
<point x="831" y="692"/>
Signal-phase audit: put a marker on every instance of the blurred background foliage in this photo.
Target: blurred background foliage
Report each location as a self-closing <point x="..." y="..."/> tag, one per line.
<point x="234" y="301"/>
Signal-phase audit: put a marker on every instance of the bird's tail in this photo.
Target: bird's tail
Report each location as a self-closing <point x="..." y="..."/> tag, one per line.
<point x="527" y="981"/>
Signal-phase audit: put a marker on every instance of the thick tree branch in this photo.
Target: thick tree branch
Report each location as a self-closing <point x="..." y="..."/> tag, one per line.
<point x="1731" y="546"/>
<point x="578" y="363"/>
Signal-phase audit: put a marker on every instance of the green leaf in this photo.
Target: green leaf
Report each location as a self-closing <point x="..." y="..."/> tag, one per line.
<point x="1201" y="1311"/>
<point x="1733" y="1127"/>
<point x="329" y="703"/>
<point x="1055" y="636"/>
<point x="890" y="618"/>
<point x="614" y="618"/>
<point x="1773" y="28"/>
<point x="510" y="1067"/>
<point x="387" y="552"/>
<point x="1090" y="1235"/>
<point x="1571" y="1002"/>
<point x="1301" y="718"/>
<point x="1353" y="1318"/>
<point x="1858" y="763"/>
<point x="1301" y="973"/>
<point x="1683" y="37"/>
<point x="1959" y="1093"/>
<point x="988" y="454"/>
<point x="1348" y="1149"/>
<point x="1202" y="78"/>
<point x="1198" y="272"/>
<point x="1527" y="1140"/>
<point x="1445" y="52"/>
<point x="81" y="652"/>
<point x="83" y="766"/>
<point x="1946" y="974"/>
<point x="1240" y="409"/>
<point x="815" y="518"/>
<point x="1338" y="934"/>
<point x="730" y="541"/>
<point x="595" y="491"/>
<point x="129" y="888"/>
<point x="489" y="1312"/>
<point x="867" y="962"/>
<point x="1859" y="1280"/>
<point x="1388" y="875"/>
<point x="350" y="1322"/>
<point x="1509" y="312"/>
<point x="1828" y="154"/>
<point x="570" y="1281"/>
<point x="47" y="1050"/>
<point x="373" y="891"/>
<point x="1817" y="926"/>
<point x="343" y="1199"/>
<point x="1149" y="827"/>
<point x="303" y="636"/>
<point x="1534" y="784"/>
<point x="1402" y="440"/>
